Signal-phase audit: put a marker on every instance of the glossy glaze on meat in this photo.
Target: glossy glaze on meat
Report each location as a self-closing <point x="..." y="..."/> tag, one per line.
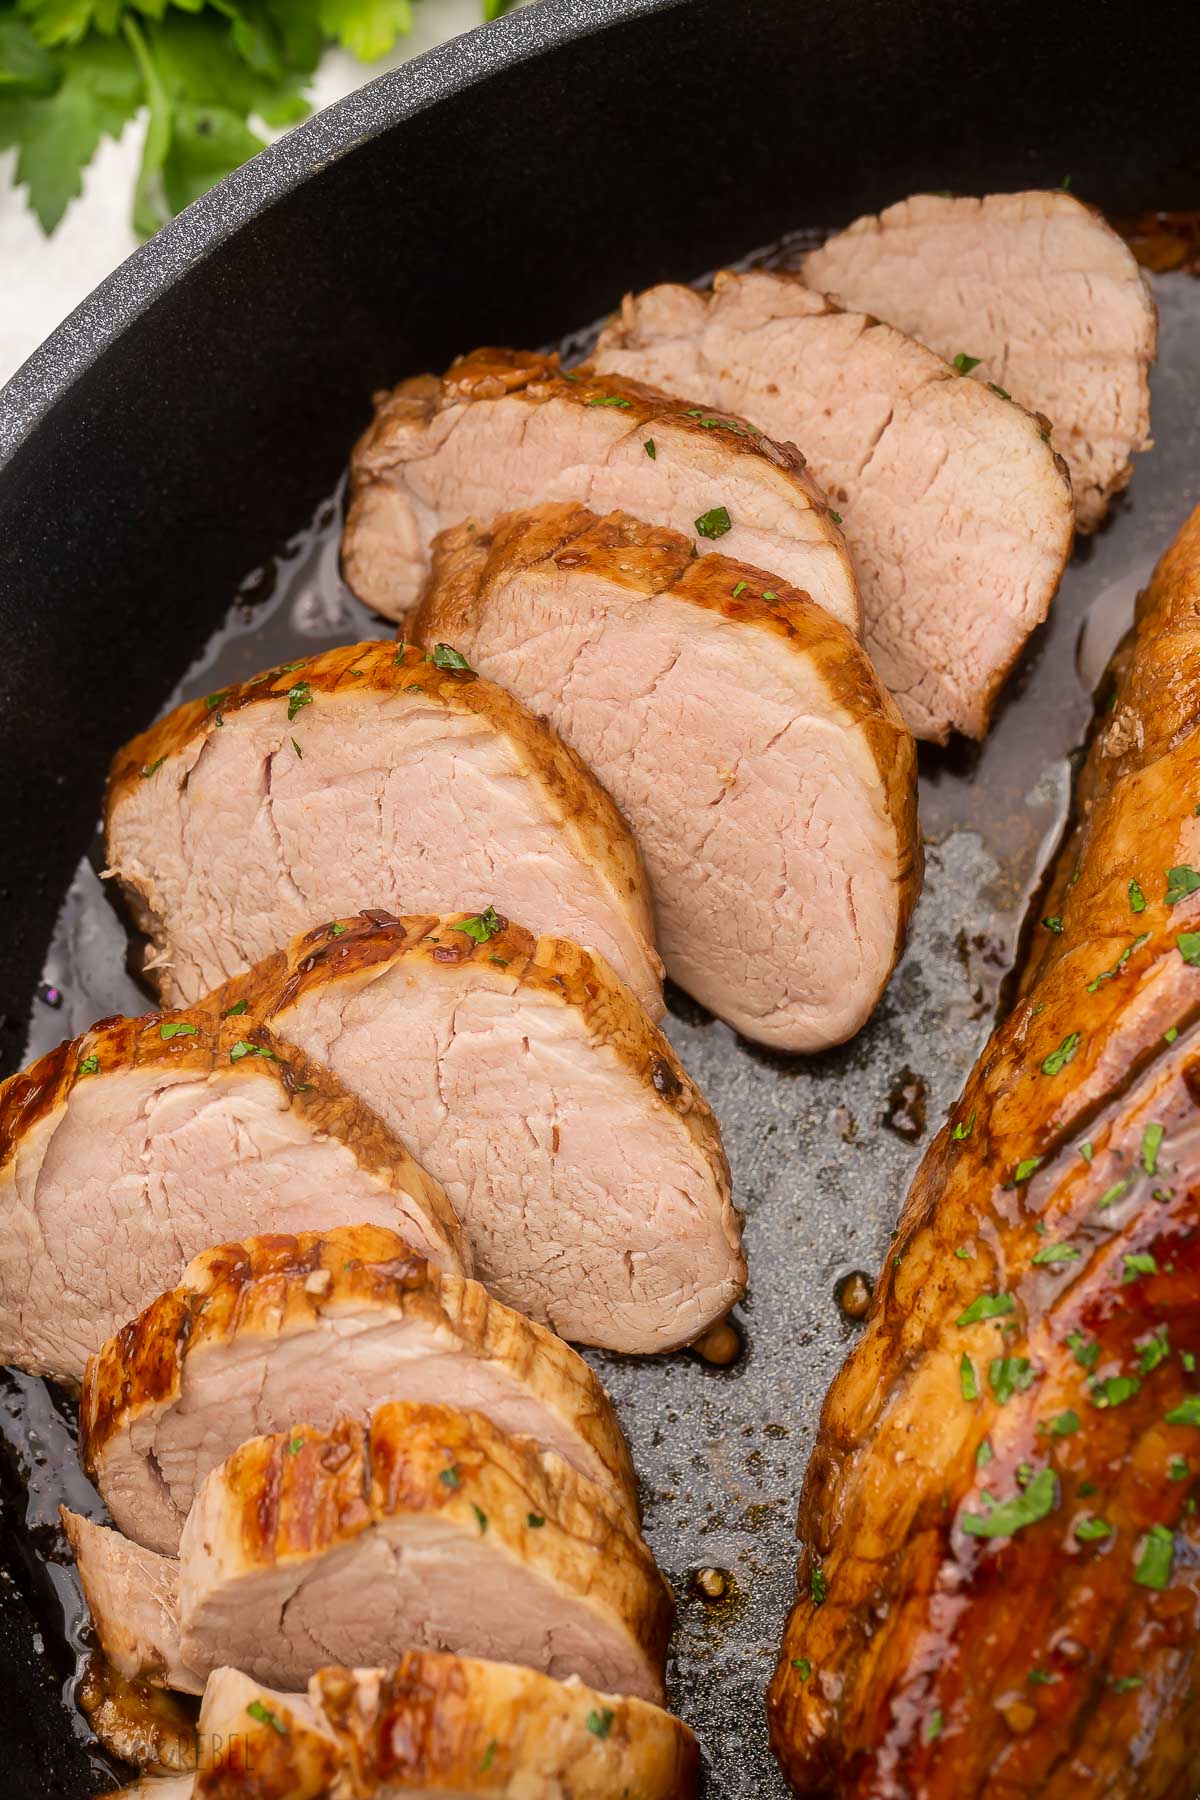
<point x="1000" y="1589"/>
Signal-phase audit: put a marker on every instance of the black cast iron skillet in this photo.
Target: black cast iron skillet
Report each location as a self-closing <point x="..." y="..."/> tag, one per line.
<point x="504" y="188"/>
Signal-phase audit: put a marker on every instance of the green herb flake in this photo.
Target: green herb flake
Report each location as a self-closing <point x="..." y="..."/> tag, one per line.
<point x="963" y="1131"/>
<point x="149" y="769"/>
<point x="963" y="1253"/>
<point x="236" y="1010"/>
<point x="817" y="1585"/>
<point x="1156" y="1558"/>
<point x="1139" y="1262"/>
<point x="1086" y="1354"/>
<point x="1034" y="1502"/>
<point x="535" y="1521"/>
<point x="1137" y="900"/>
<point x="1009" y="1375"/>
<point x="1085" y="1150"/>
<point x="243" y="1048"/>
<point x="1086" y="1488"/>
<point x="298" y="696"/>
<point x="997" y="389"/>
<point x="488" y="1756"/>
<point x="1114" y="1390"/>
<point x="714" y="523"/>
<point x="480" y="1515"/>
<point x="1170" y="1034"/>
<point x="983" y="1455"/>
<point x="90" y="1065"/>
<point x="481" y="926"/>
<point x="1054" y="923"/>
<point x="1025" y="1169"/>
<point x="1091" y="1530"/>
<point x="966" y="1375"/>
<point x="964" y="363"/>
<point x="1153" y="1350"/>
<point x="651" y="451"/>
<point x="933" y="1726"/>
<point x="1181" y="881"/>
<point x="1114" y="1193"/>
<point x="1058" y="1059"/>
<point x="610" y="400"/>
<point x="451" y="1477"/>
<point x="264" y="1716"/>
<point x="173" y="1028"/>
<point x="769" y="595"/>
<point x="1188" y="1360"/>
<point x="1064" y="1424"/>
<point x="400" y="653"/>
<point x="986" y="1306"/>
<point x="1108" y="974"/>
<point x="739" y="589"/>
<point x="298" y="750"/>
<point x="835" y="516"/>
<point x="1186" y="1413"/>
<point x="1152" y="1139"/>
<point x="445" y="656"/>
<point x="600" y="1723"/>
<point x="1057" y="1253"/>
<point x="295" y="1446"/>
<point x="1124" y="1684"/>
<point x="1178" y="1469"/>
<point x="1041" y="1678"/>
<point x="1188" y="945"/>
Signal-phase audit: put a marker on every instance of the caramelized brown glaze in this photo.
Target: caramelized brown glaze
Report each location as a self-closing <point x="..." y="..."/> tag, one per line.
<point x="1032" y="1348"/>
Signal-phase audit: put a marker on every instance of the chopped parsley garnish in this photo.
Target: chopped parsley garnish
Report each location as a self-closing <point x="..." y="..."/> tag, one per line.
<point x="962" y="1131"/>
<point x="802" y="1667"/>
<point x="1114" y="1193"/>
<point x="965" y="1254"/>
<point x="1085" y="1150"/>
<point x="1124" y="1683"/>
<point x="90" y="1065"/>
<point x="1107" y="974"/>
<point x="400" y="650"/>
<point x="1153" y="1568"/>
<point x="600" y="1723"/>
<point x="1153" y="1350"/>
<point x="1188" y="945"/>
<point x="1178" y="1469"/>
<point x="244" y="1048"/>
<point x="933" y="1726"/>
<point x="298" y="750"/>
<point x="265" y="1716"/>
<point x="739" y="589"/>
<point x="173" y="1028"/>
<point x="236" y="1010"/>
<point x="488" y="1754"/>
<point x="295" y="1446"/>
<point x="964" y="363"/>
<point x="1057" y="1253"/>
<point x="1085" y="1354"/>
<point x="1186" y="1413"/>
<point x="298" y="696"/>
<point x="1041" y="1678"/>
<point x="336" y="929"/>
<point x="986" y="1306"/>
<point x="480" y="1515"/>
<point x="966" y="1375"/>
<point x="1139" y="1262"/>
<point x="714" y="523"/>
<point x="1058" y="1059"/>
<point x="149" y="769"/>
<point x="650" y="450"/>
<point x="1054" y="923"/>
<point x="1170" y="1034"/>
<point x="450" y="1477"/>
<point x="1009" y="1375"/>
<point x="1025" y="1508"/>
<point x="1064" y="1424"/>
<point x="502" y="960"/>
<point x="609" y="400"/>
<point x="1137" y="900"/>
<point x="769" y="594"/>
<point x="835" y="516"/>
<point x="983" y="1455"/>
<point x="1025" y="1169"/>
<point x="1181" y="881"/>
<point x="1152" y="1139"/>
<point x="1188" y="1360"/>
<point x="445" y="656"/>
<point x="481" y="926"/>
<point x="1114" y="1390"/>
<point x="535" y="1521"/>
<point x="1090" y="1530"/>
<point x="212" y="701"/>
<point x="817" y="1585"/>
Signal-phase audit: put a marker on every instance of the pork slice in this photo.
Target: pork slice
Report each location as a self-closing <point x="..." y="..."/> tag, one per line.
<point x="584" y="1162"/>
<point x="136" y="1592"/>
<point x="769" y="777"/>
<point x="333" y="1323"/>
<point x="428" y="1529"/>
<point x="128" y="1150"/>
<point x="437" y="1725"/>
<point x="365" y="776"/>
<point x="1041" y="290"/>
<point x="505" y="430"/>
<point x="955" y="508"/>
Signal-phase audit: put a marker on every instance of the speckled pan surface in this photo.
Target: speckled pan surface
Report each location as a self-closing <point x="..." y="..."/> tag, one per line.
<point x="187" y="422"/>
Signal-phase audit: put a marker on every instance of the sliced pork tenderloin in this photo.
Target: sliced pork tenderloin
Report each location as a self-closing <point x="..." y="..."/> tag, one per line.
<point x="427" y="1529"/>
<point x="437" y="1725"/>
<point x="128" y="1150"/>
<point x="364" y="776"/>
<point x="764" y="768"/>
<point x="955" y="508"/>
<point x="333" y="1323"/>
<point x="503" y="429"/>
<point x="585" y="1164"/>
<point x="1037" y="287"/>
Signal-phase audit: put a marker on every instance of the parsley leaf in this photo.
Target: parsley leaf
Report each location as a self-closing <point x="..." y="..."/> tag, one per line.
<point x="1181" y="881"/>
<point x="483" y="926"/>
<point x="1157" y="1556"/>
<point x="714" y="523"/>
<point x="1034" y="1502"/>
<point x="986" y="1306"/>
<point x="1058" y="1059"/>
<point x="964" y="363"/>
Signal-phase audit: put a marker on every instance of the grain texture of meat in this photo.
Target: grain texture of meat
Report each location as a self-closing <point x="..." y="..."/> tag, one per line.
<point x="1036" y="286"/>
<point x="955" y="509"/>
<point x="365" y="776"/>
<point x="585" y="1164"/>
<point x="765" y="771"/>
<point x="128" y="1150"/>
<point x="503" y="430"/>
<point x="435" y="1726"/>
<point x="426" y="1529"/>
<point x="999" y="1591"/>
<point x="336" y="1322"/>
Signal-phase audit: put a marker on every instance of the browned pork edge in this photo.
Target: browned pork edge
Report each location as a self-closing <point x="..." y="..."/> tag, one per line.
<point x="445" y="1724"/>
<point x="265" y="1282"/>
<point x="882" y="1493"/>
<point x="587" y="812"/>
<point x="650" y="560"/>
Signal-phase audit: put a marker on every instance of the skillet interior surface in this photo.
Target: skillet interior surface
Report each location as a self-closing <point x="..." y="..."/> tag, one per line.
<point x="190" y="421"/>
